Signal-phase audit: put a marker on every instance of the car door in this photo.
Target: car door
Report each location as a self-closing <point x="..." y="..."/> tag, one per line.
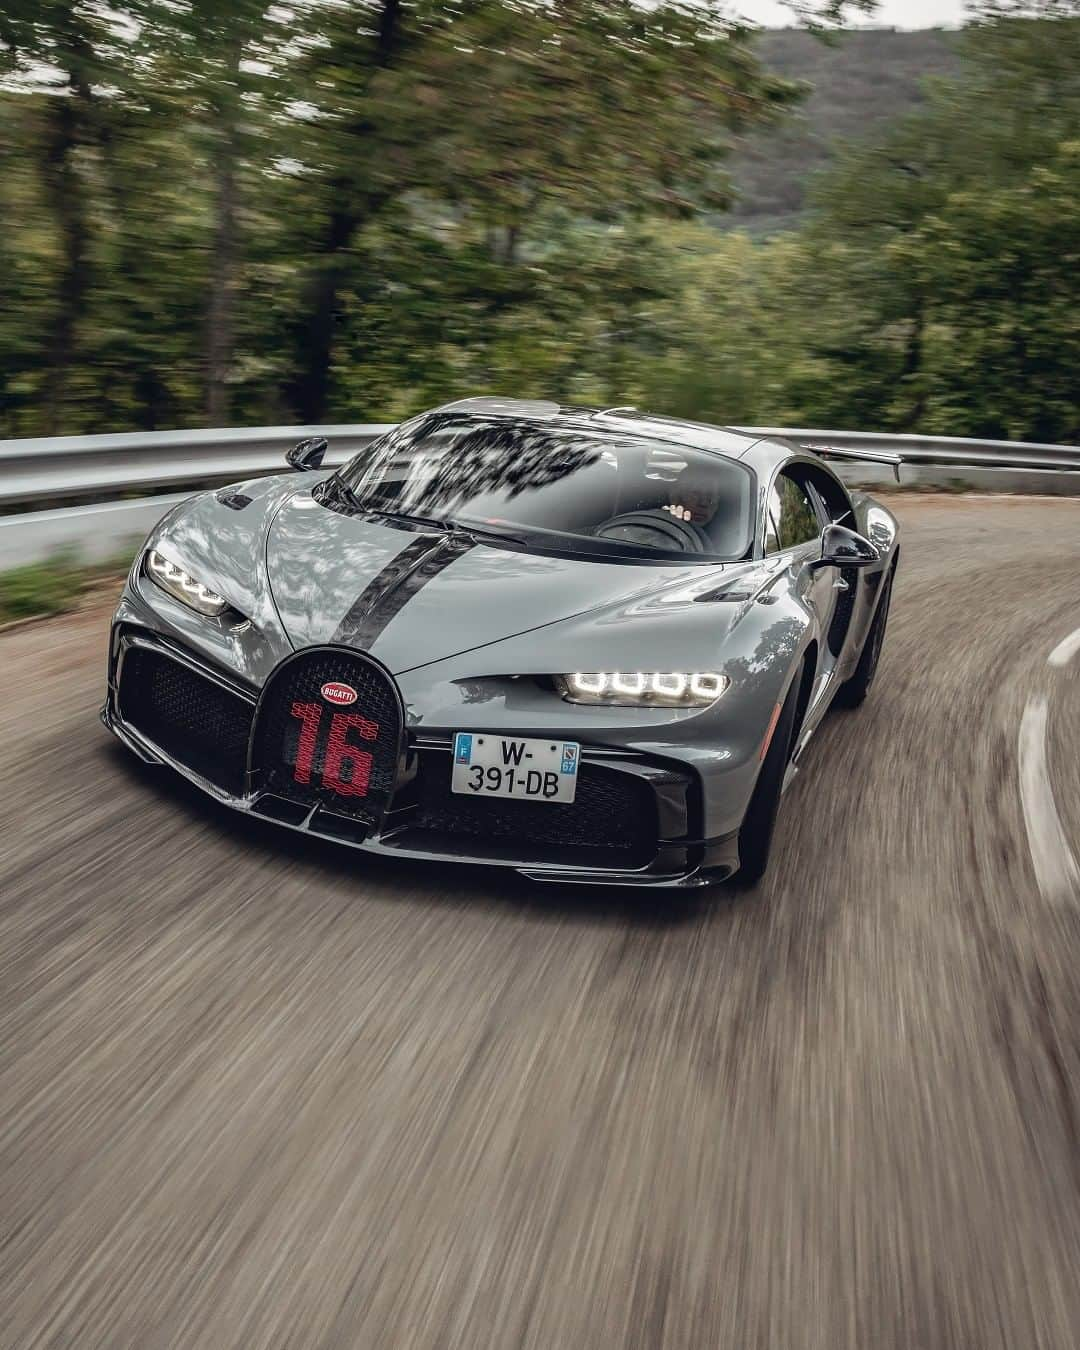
<point x="794" y="519"/>
<point x="834" y="505"/>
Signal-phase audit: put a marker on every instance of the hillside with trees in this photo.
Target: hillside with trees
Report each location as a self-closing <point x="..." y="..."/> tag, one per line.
<point x="857" y="83"/>
<point x="251" y="213"/>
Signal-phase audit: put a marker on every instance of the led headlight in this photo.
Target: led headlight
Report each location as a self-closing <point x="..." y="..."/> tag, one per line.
<point x="183" y="586"/>
<point x="643" y="689"/>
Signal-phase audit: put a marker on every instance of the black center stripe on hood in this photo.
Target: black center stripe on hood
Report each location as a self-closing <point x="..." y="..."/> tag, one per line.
<point x="387" y="594"/>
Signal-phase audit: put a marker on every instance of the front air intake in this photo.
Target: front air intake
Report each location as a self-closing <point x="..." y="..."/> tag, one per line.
<point x="612" y="821"/>
<point x="328" y="732"/>
<point x="193" y="719"/>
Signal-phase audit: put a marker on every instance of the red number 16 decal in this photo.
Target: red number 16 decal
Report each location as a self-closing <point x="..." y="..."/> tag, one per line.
<point x="341" y="755"/>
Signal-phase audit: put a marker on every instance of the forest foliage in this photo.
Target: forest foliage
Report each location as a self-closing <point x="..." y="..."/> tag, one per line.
<point x="338" y="211"/>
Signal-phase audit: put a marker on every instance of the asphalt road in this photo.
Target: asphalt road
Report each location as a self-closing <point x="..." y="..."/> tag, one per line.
<point x="255" y="1093"/>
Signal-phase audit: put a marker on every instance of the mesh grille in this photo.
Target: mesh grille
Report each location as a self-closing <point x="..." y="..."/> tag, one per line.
<point x="344" y="757"/>
<point x="192" y="719"/>
<point x="612" y="820"/>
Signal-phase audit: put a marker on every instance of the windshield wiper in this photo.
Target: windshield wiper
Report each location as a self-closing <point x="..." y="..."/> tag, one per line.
<point x="482" y="532"/>
<point x="444" y="526"/>
<point x="404" y="517"/>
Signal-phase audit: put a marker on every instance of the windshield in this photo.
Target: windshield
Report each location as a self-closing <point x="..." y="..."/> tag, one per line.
<point x="559" y="487"/>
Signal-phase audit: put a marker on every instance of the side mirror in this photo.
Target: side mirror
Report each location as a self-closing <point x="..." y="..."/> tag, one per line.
<point x="841" y="547"/>
<point x="308" y="454"/>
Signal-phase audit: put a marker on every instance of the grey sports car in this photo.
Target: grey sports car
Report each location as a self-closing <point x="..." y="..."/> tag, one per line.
<point x="587" y="644"/>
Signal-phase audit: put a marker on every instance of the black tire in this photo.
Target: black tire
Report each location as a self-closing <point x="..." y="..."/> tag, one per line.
<point x="756" y="832"/>
<point x="856" y="687"/>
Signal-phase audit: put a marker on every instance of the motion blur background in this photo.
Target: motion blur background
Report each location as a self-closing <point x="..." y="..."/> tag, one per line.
<point x="257" y="1091"/>
<point x="258" y="213"/>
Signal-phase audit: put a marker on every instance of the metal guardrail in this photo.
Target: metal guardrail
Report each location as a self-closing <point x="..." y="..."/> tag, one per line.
<point x="75" y="468"/>
<point x="939" y="451"/>
<point x="98" y="533"/>
<point x="98" y="477"/>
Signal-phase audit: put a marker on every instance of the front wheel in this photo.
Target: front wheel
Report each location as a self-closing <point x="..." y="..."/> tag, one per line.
<point x="756" y="832"/>
<point x="855" y="689"/>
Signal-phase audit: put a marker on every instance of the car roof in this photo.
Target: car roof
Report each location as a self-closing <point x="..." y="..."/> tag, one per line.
<point x="629" y="421"/>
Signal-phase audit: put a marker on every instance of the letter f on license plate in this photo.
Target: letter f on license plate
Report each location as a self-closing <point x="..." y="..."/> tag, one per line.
<point x="530" y="769"/>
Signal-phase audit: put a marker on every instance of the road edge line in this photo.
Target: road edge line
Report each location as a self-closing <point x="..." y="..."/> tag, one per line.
<point x="1055" y="867"/>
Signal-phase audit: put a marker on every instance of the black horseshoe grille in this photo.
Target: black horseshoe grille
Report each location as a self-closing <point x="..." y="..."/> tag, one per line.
<point x="343" y="756"/>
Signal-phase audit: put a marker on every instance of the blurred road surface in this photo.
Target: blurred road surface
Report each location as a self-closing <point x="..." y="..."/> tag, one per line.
<point x="255" y="1093"/>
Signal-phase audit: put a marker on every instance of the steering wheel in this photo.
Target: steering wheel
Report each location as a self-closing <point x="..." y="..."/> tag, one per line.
<point x="654" y="529"/>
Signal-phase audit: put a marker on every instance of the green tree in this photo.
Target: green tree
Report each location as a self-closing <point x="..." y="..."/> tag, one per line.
<point x="941" y="268"/>
<point x="225" y="75"/>
<point x="482" y="118"/>
<point x="75" y="47"/>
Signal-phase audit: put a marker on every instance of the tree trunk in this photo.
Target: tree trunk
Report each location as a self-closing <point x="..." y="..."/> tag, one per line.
<point x="65" y="191"/>
<point x="220" y="310"/>
<point x="912" y="367"/>
<point x="139" y="362"/>
<point x="220" y="307"/>
<point x="311" y="385"/>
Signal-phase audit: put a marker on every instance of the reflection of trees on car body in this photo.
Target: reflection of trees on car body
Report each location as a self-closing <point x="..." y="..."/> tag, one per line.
<point x="637" y="494"/>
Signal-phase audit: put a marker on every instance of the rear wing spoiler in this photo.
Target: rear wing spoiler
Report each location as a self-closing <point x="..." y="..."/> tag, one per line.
<point x="888" y="457"/>
<point x="864" y="447"/>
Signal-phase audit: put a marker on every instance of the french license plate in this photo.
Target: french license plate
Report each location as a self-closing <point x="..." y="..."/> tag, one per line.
<point x="503" y="766"/>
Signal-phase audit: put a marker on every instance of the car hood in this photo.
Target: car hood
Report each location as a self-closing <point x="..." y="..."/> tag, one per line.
<point x="415" y="597"/>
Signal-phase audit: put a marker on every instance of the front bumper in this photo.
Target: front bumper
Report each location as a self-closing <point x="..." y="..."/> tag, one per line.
<point x="424" y="822"/>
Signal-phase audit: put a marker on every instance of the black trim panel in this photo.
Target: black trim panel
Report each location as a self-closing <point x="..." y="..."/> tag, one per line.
<point x="387" y="594"/>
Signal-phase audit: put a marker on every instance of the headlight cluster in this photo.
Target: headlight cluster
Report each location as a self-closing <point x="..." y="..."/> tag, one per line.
<point x="643" y="689"/>
<point x="183" y="586"/>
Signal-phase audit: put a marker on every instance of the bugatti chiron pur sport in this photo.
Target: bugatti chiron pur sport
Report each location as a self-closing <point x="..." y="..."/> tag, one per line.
<point x="587" y="644"/>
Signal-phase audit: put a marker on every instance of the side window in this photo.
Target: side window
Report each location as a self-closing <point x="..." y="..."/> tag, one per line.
<point x="833" y="497"/>
<point x="791" y="519"/>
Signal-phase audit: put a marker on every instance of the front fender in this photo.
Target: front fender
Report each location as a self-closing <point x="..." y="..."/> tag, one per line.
<point x="224" y="546"/>
<point x="758" y="642"/>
